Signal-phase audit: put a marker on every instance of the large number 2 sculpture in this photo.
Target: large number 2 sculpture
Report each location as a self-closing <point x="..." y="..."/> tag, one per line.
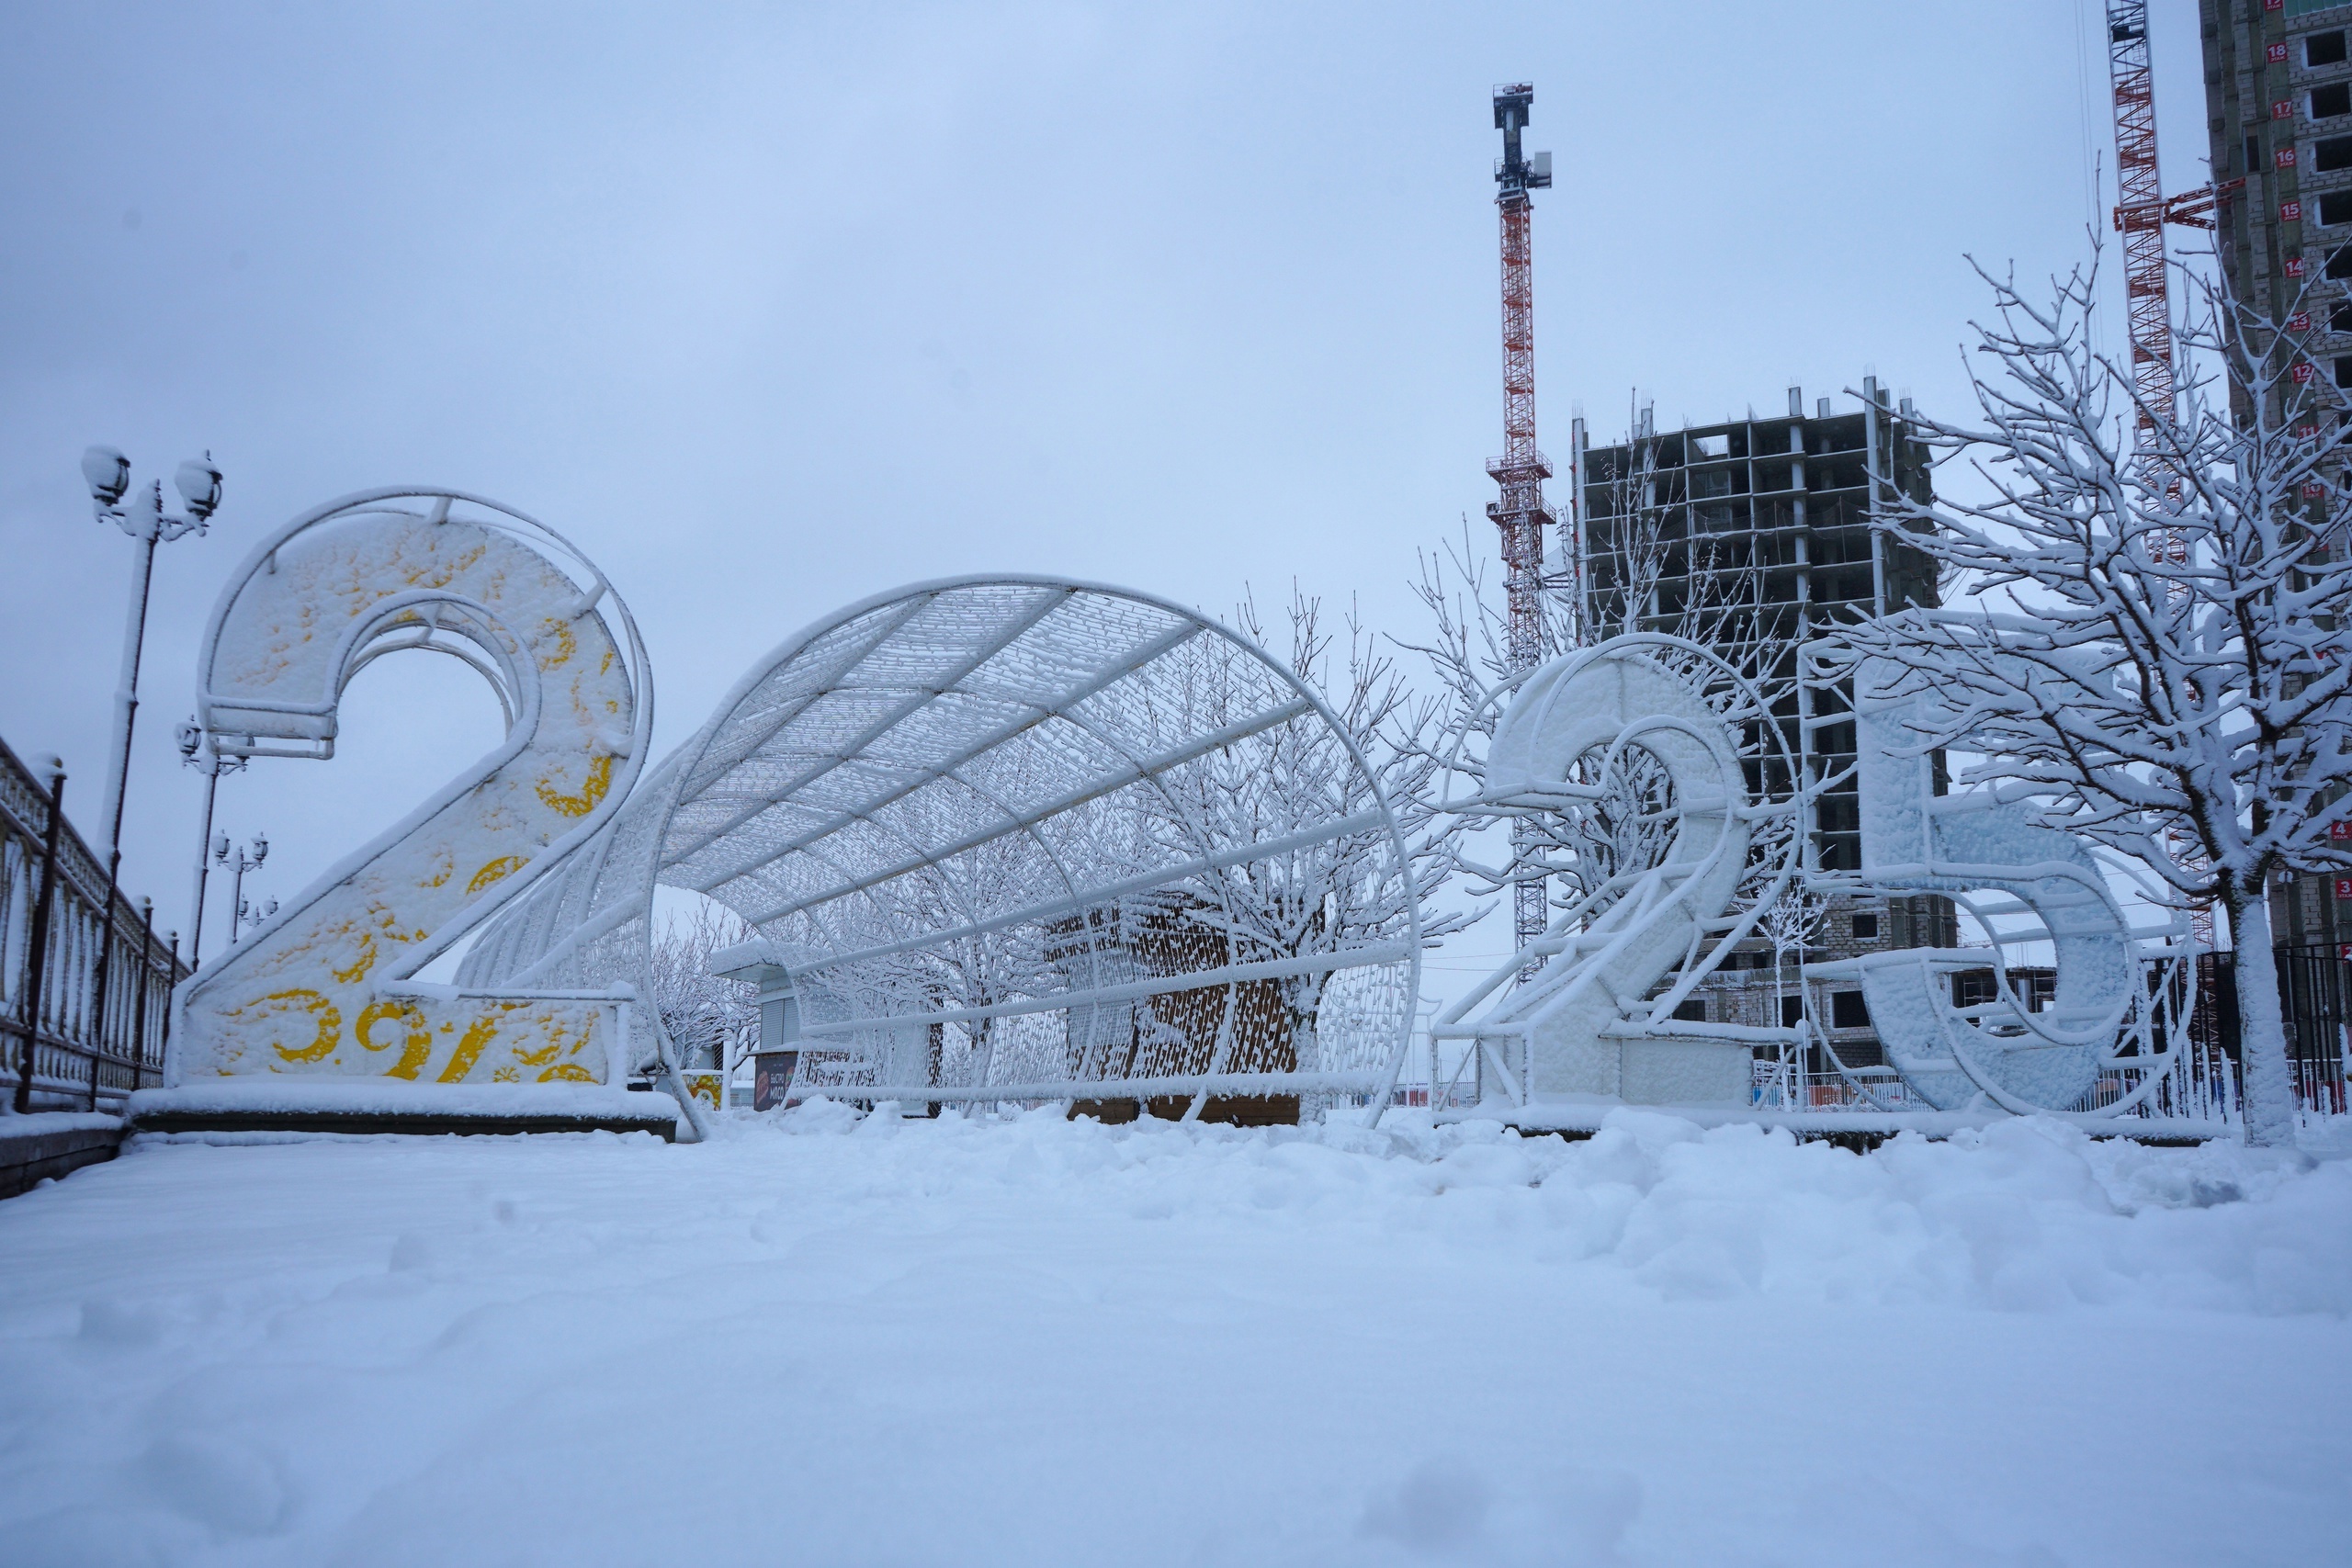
<point x="326" y="988"/>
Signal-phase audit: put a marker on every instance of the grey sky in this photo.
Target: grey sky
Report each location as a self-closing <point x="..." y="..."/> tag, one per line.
<point x="772" y="308"/>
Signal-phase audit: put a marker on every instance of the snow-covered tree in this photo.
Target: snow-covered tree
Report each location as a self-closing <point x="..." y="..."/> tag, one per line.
<point x="1645" y="576"/>
<point x="1392" y="728"/>
<point x="1794" y="923"/>
<point x="1338" y="892"/>
<point x="713" y="1022"/>
<point x="2153" y="650"/>
<point x="978" y="969"/>
<point x="1467" y="649"/>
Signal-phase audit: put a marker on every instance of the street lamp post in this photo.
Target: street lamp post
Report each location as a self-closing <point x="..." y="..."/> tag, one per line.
<point x="108" y="473"/>
<point x="248" y="857"/>
<point x="197" y="752"/>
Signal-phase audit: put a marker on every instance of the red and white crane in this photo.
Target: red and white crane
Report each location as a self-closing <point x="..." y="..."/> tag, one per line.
<point x="2142" y="209"/>
<point x="1520" y="512"/>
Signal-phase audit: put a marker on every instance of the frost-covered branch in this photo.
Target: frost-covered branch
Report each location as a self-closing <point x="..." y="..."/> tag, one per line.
<point x="2155" y="650"/>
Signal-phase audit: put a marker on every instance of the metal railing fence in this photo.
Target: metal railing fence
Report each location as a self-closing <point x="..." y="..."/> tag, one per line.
<point x="73" y="1069"/>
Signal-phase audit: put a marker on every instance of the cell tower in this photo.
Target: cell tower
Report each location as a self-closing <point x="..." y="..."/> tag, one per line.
<point x="1520" y="512"/>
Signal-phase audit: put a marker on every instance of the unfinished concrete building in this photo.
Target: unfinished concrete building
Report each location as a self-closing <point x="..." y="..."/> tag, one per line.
<point x="2278" y="108"/>
<point x="1753" y="537"/>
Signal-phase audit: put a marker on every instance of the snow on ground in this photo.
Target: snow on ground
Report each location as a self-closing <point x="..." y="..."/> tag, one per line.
<point x="833" y="1341"/>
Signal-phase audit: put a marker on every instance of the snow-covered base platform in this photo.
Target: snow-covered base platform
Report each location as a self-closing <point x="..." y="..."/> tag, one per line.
<point x="389" y="1105"/>
<point x="1859" y="1131"/>
<point x="35" y="1148"/>
<point x="826" y="1339"/>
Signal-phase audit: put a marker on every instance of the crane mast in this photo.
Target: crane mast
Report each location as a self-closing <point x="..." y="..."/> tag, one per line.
<point x="1520" y="512"/>
<point x="2140" y="211"/>
<point x="2140" y="214"/>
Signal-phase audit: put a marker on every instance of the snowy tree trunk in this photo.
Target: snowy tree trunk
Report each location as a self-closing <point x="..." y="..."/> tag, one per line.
<point x="986" y="1053"/>
<point x="2267" y="1083"/>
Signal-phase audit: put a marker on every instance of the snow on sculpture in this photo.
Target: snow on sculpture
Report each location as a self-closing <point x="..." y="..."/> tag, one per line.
<point x="1019" y="838"/>
<point x="325" y="989"/>
<point x="1671" y="787"/>
<point x="2102" y="1043"/>
<point x="1661" y="776"/>
<point x="2155" y="653"/>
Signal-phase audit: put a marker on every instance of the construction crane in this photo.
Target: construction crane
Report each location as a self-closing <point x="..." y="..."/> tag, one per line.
<point x="2142" y="210"/>
<point x="1520" y="512"/>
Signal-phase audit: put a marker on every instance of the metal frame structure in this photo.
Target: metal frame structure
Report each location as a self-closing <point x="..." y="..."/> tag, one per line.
<point x="1020" y="839"/>
<point x="59" y="1050"/>
<point x="2140" y="212"/>
<point x="1668" y="888"/>
<point x="1672" y="885"/>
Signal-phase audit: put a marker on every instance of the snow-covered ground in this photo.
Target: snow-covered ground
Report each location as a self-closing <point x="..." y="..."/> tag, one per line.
<point x="1027" y="1341"/>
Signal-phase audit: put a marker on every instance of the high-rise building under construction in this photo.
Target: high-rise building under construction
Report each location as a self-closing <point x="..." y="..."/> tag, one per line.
<point x="1753" y="537"/>
<point x="2278" y="108"/>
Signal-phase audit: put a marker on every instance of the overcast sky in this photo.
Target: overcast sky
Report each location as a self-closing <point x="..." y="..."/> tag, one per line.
<point x="770" y="309"/>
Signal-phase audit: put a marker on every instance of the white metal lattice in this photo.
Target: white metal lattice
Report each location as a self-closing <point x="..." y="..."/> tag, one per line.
<point x="1022" y="838"/>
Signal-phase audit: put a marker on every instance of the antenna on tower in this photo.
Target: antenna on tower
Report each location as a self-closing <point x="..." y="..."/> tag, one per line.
<point x="1520" y="512"/>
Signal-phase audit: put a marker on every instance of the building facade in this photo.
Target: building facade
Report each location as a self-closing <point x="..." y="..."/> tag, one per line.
<point x="2278" y="109"/>
<point x="1754" y="537"/>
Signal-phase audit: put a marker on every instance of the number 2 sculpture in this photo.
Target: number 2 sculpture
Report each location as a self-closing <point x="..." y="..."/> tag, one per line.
<point x="327" y="988"/>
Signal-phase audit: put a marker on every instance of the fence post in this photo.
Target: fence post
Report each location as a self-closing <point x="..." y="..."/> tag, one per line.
<point x="37" y="953"/>
<point x="100" y="1013"/>
<point x="171" y="984"/>
<point x="146" y="982"/>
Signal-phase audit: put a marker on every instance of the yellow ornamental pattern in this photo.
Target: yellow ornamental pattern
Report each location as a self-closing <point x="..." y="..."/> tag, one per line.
<point x="600" y="782"/>
<point x="416" y="1039"/>
<point x="559" y="643"/>
<point x="477" y="1037"/>
<point x="321" y="1015"/>
<point x="495" y="872"/>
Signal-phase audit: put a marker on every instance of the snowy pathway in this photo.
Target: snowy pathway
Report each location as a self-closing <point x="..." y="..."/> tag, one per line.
<point x="1033" y="1342"/>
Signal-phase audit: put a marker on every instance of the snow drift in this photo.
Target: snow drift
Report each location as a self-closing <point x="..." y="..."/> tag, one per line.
<point x="831" y="1338"/>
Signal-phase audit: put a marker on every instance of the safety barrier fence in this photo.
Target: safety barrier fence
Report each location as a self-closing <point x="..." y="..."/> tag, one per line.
<point x="82" y="1057"/>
